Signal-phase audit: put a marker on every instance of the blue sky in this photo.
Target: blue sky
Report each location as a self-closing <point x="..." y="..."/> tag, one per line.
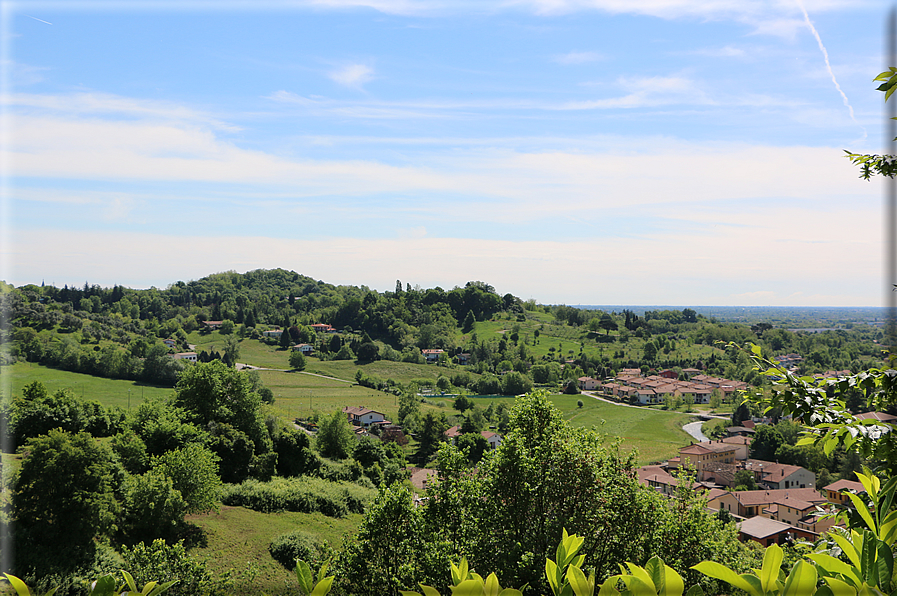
<point x="571" y="151"/>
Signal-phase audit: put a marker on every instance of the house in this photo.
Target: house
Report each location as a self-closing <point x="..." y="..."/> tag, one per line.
<point x="588" y="383"/>
<point x="306" y="349"/>
<point x="877" y="416"/>
<point x="273" y="333"/>
<point x="764" y="530"/>
<point x="432" y="355"/>
<point x="669" y="374"/>
<point x="494" y="439"/>
<point x="742" y="446"/>
<point x="453" y="433"/>
<point x="421" y="478"/>
<point x="780" y="476"/>
<point x="189" y="356"/>
<point x="213" y="324"/>
<point x="836" y="492"/>
<point x="646" y="396"/>
<point x="750" y="503"/>
<point x="359" y="415"/>
<point x="707" y="455"/>
<point x="169" y="343"/>
<point x="463" y="359"/>
<point x="323" y="328"/>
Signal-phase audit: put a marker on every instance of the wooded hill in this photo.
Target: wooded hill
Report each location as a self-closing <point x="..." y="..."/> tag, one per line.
<point x="116" y="332"/>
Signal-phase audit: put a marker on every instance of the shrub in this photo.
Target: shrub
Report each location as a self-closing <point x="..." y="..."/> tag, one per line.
<point x="286" y="548"/>
<point x="162" y="563"/>
<point x="304" y="494"/>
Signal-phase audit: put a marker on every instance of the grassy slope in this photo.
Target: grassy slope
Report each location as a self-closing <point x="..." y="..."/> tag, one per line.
<point x="109" y="392"/>
<point x="238" y="539"/>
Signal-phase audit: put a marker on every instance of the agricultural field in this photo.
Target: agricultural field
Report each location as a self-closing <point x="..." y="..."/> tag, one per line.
<point x="109" y="392"/>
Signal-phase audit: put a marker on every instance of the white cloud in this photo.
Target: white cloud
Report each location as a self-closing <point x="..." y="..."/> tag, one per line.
<point x="353" y="75"/>
<point x="578" y="57"/>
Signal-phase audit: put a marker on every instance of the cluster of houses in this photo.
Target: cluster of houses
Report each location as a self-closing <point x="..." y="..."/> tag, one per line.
<point x="630" y="386"/>
<point x="786" y="507"/>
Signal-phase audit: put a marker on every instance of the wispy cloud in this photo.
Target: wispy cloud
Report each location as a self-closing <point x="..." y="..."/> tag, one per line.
<point x="578" y="58"/>
<point x="353" y="75"/>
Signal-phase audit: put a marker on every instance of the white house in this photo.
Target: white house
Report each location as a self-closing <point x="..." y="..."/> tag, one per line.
<point x="363" y="416"/>
<point x="190" y="356"/>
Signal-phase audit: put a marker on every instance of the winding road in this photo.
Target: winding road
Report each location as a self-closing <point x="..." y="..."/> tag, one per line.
<point x="692" y="428"/>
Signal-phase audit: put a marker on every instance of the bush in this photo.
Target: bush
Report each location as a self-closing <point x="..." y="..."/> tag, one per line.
<point x="304" y="494"/>
<point x="286" y="548"/>
<point x="163" y="563"/>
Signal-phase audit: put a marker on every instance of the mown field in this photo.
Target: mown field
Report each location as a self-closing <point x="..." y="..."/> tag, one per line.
<point x="109" y="392"/>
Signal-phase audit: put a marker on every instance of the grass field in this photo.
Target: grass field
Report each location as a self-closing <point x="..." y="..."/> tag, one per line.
<point x="237" y="542"/>
<point x="109" y="392"/>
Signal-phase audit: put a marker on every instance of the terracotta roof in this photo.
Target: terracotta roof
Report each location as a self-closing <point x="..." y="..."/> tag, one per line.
<point x="762" y="527"/>
<point x="753" y="498"/>
<point x="880" y="416"/>
<point x="846" y="485"/>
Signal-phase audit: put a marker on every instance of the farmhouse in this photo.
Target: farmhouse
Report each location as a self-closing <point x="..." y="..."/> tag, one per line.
<point x="188" y="356"/>
<point x="361" y="416"/>
<point x="306" y="349"/>
<point x="432" y="355"/>
<point x="323" y="328"/>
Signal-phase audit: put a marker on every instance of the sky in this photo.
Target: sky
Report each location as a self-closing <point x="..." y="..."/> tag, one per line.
<point x="682" y="152"/>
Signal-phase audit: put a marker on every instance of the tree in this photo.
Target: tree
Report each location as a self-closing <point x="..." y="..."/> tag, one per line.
<point x="469" y="322"/>
<point x="151" y="508"/>
<point x="474" y="445"/>
<point x="335" y="438"/>
<point x="431" y="435"/>
<point x="231" y="351"/>
<point x="463" y="403"/>
<point x="368" y="352"/>
<point x="744" y="480"/>
<point x="443" y="383"/>
<point x="193" y="471"/>
<point x="650" y="353"/>
<point x="212" y="392"/>
<point x="507" y="514"/>
<point x="297" y="360"/>
<point x="345" y="353"/>
<point x="607" y="323"/>
<point x="285" y="338"/>
<point x="409" y="404"/>
<point x="765" y="442"/>
<point x="64" y="497"/>
<point x="474" y="422"/>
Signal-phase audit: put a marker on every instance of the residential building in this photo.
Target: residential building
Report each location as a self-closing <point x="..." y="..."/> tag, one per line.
<point x="836" y="492"/>
<point x="189" y="356"/>
<point x="432" y="355"/>
<point x="359" y="415"/>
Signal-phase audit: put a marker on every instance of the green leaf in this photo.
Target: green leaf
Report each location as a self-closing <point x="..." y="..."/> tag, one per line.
<point x="582" y="586"/>
<point x="801" y="580"/>
<point x="323" y="586"/>
<point x="19" y="585"/>
<point x="772" y="564"/>
<point x="409" y="593"/>
<point x="510" y="592"/>
<point x="490" y="586"/>
<point x="836" y="566"/>
<point x="429" y="591"/>
<point x="553" y="575"/>
<point x="885" y="565"/>
<point x="839" y="588"/>
<point x="103" y="586"/>
<point x="468" y="587"/>
<point x="129" y="580"/>
<point x="305" y="576"/>
<point x="695" y="590"/>
<point x="162" y="588"/>
<point x="460" y="572"/>
<point x="723" y="573"/>
<point x="861" y="508"/>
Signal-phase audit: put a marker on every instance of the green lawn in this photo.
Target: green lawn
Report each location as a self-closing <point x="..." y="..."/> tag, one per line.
<point x="238" y="539"/>
<point x="109" y="392"/>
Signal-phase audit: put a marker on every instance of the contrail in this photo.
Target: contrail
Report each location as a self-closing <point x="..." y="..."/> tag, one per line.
<point x="828" y="65"/>
<point x="37" y="19"/>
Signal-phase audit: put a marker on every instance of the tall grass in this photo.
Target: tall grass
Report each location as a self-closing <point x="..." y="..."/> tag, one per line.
<point x="305" y="494"/>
